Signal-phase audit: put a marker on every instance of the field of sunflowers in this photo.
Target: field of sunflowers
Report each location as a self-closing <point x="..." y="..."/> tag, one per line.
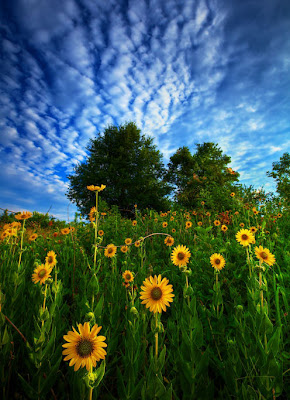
<point x="183" y="304"/>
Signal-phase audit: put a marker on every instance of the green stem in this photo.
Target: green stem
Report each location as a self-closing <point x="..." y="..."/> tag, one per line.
<point x="91" y="389"/>
<point x="21" y="244"/>
<point x="156" y="336"/>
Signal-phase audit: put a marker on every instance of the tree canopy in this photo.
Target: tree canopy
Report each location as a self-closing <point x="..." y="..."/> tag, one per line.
<point x="200" y="176"/>
<point x="281" y="173"/>
<point x="130" y="166"/>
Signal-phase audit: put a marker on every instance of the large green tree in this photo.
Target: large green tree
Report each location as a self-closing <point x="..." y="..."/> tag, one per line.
<point x="130" y="166"/>
<point x="203" y="175"/>
<point x="281" y="173"/>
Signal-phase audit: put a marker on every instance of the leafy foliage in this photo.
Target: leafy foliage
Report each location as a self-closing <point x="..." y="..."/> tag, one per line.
<point x="128" y="163"/>
<point x="281" y="173"/>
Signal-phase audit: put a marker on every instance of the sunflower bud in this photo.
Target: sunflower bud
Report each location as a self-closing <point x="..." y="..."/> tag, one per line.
<point x="49" y="281"/>
<point x="90" y="315"/>
<point x="134" y="311"/>
<point x="160" y="327"/>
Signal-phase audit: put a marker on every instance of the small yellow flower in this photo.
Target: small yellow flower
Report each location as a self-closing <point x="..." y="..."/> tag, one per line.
<point x="188" y="224"/>
<point x="264" y="255"/>
<point x="199" y="223"/>
<point x="169" y="241"/>
<point x="128" y="241"/>
<point x="100" y="232"/>
<point x="134" y="223"/>
<point x="233" y="194"/>
<point x="245" y="237"/>
<point x="202" y="203"/>
<point x="23" y="215"/>
<point x="242" y="225"/>
<point x="156" y="294"/>
<point x="41" y="273"/>
<point x="96" y="188"/>
<point x="164" y="224"/>
<point x="217" y="261"/>
<point x="180" y="255"/>
<point x="128" y="276"/>
<point x="137" y="243"/>
<point x="65" y="231"/>
<point x="110" y="250"/>
<point x="50" y="259"/>
<point x="224" y="228"/>
<point x="217" y="222"/>
<point x="124" y="249"/>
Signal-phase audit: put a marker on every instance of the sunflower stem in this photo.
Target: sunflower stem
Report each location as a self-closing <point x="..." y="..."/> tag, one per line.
<point x="156" y="336"/>
<point x="96" y="231"/>
<point x="248" y="258"/>
<point x="260" y="284"/>
<point x="43" y="306"/>
<point x="91" y="389"/>
<point x="21" y="244"/>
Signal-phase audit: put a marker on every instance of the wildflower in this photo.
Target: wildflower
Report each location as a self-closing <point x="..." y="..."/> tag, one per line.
<point x="245" y="237"/>
<point x="199" y="223"/>
<point x="217" y="222"/>
<point x="264" y="255"/>
<point x="236" y="212"/>
<point x="41" y="273"/>
<point x="33" y="237"/>
<point x="96" y="188"/>
<point x="253" y="229"/>
<point x="128" y="276"/>
<point x="224" y="228"/>
<point x="164" y="224"/>
<point x="217" y="261"/>
<point x="180" y="255"/>
<point x="233" y="194"/>
<point x="128" y="241"/>
<point x="50" y="259"/>
<point x="134" y="223"/>
<point x="202" y="203"/>
<point x="173" y="230"/>
<point x="110" y="250"/>
<point x="84" y="348"/>
<point x="23" y="215"/>
<point x="171" y="218"/>
<point x="15" y="224"/>
<point x="169" y="241"/>
<point x="208" y="214"/>
<point x="55" y="234"/>
<point x="188" y="224"/>
<point x="137" y="243"/>
<point x="100" y="232"/>
<point x="279" y="215"/>
<point x="65" y="231"/>
<point x="124" y="249"/>
<point x="156" y="294"/>
<point x="242" y="225"/>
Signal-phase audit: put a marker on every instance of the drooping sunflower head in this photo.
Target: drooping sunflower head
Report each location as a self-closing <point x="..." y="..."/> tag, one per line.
<point x="110" y="250"/>
<point x="128" y="276"/>
<point x="169" y="241"/>
<point x="41" y="273"/>
<point x="84" y="348"/>
<point x="180" y="255"/>
<point x="96" y="188"/>
<point x="264" y="255"/>
<point x="156" y="294"/>
<point x="50" y="259"/>
<point x="217" y="261"/>
<point x="245" y="237"/>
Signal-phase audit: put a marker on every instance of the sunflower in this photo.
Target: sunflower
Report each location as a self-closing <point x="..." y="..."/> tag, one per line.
<point x="84" y="349"/>
<point x="124" y="249"/>
<point x="180" y="255"/>
<point x="156" y="294"/>
<point x="164" y="224"/>
<point x="16" y="225"/>
<point x="23" y="215"/>
<point x="33" y="237"/>
<point x="279" y="215"/>
<point x="128" y="276"/>
<point x="134" y="223"/>
<point x="199" y="223"/>
<point x="173" y="230"/>
<point x="253" y="229"/>
<point x="245" y="237"/>
<point x="236" y="212"/>
<point x="188" y="224"/>
<point x="55" y="234"/>
<point x="110" y="250"/>
<point x="137" y="243"/>
<point x="65" y="231"/>
<point x="224" y="228"/>
<point x="264" y="255"/>
<point x="128" y="241"/>
<point x="50" y="259"/>
<point x="217" y="222"/>
<point x="242" y="225"/>
<point x="233" y="194"/>
<point x="217" y="261"/>
<point x="96" y="188"/>
<point x="41" y="273"/>
<point x="169" y="241"/>
<point x="208" y="214"/>
<point x="202" y="203"/>
<point x="100" y="232"/>
<point x="171" y="218"/>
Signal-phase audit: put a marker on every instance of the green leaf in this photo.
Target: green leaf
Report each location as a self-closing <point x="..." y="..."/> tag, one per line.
<point x="30" y="392"/>
<point x="274" y="342"/>
<point x="49" y="381"/>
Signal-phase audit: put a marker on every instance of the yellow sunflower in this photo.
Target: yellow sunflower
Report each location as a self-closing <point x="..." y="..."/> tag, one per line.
<point x="264" y="255"/>
<point x="253" y="229"/>
<point x="65" y="231"/>
<point x="233" y="194"/>
<point x="173" y="230"/>
<point x="245" y="237"/>
<point x="134" y="223"/>
<point x="23" y="215"/>
<point x="169" y="241"/>
<point x="101" y="232"/>
<point x="124" y="249"/>
<point x="137" y="243"/>
<point x="217" y="261"/>
<point x="41" y="273"/>
<point x="199" y="223"/>
<point x="110" y="250"/>
<point x="50" y="259"/>
<point x="128" y="241"/>
<point x="33" y="237"/>
<point x="96" y="188"/>
<point x="156" y="293"/>
<point x="164" y="224"/>
<point x="188" y="224"/>
<point x="217" y="222"/>
<point x="84" y="348"/>
<point x="224" y="228"/>
<point x="180" y="255"/>
<point x="128" y="276"/>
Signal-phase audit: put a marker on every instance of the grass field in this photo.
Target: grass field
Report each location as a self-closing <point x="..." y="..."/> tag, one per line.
<point x="223" y="335"/>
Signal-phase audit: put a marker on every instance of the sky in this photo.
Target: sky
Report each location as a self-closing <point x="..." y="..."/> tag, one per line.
<point x="185" y="71"/>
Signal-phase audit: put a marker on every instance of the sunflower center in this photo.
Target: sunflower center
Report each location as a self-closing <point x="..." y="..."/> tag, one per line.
<point x="42" y="273"/>
<point x="156" y="293"/>
<point x="50" y="259"/>
<point x="264" y="255"/>
<point x="244" y="237"/>
<point x="110" y="250"/>
<point x="84" y="348"/>
<point x="180" y="256"/>
<point x="128" y="277"/>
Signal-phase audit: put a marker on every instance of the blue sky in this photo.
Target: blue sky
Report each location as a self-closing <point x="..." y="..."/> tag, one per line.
<point x="186" y="71"/>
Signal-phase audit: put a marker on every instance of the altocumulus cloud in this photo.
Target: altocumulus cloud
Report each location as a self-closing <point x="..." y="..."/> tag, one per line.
<point x="185" y="71"/>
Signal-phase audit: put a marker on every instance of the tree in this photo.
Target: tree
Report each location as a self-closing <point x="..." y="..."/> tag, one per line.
<point x="200" y="176"/>
<point x="130" y="166"/>
<point x="281" y="173"/>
